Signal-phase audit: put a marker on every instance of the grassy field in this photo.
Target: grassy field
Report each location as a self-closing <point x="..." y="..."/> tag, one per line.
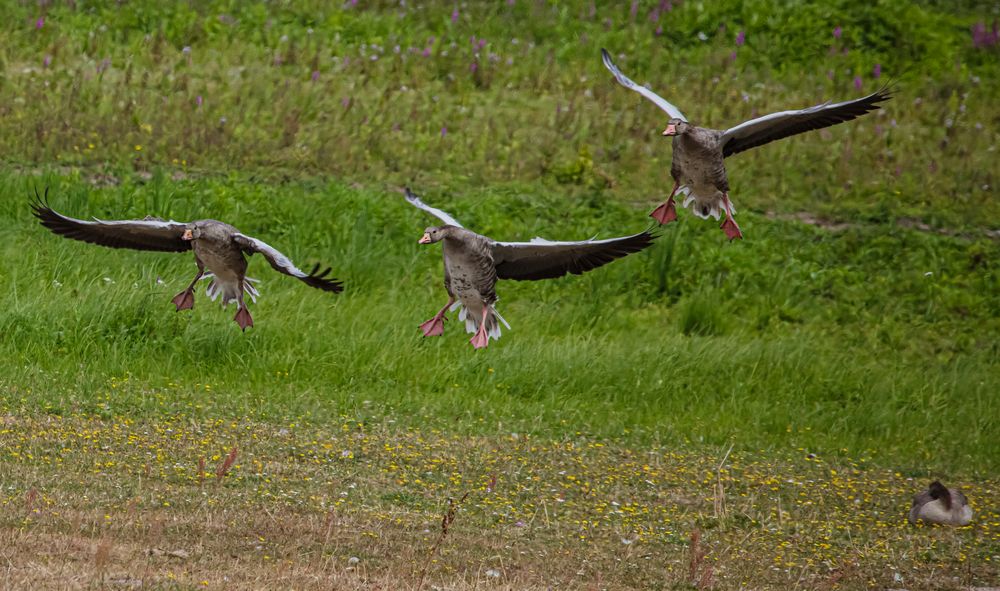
<point x="845" y="352"/>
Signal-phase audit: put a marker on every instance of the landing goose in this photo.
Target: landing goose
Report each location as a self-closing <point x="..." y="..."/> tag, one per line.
<point x="218" y="248"/>
<point x="473" y="263"/>
<point x="698" y="169"/>
<point x="939" y="504"/>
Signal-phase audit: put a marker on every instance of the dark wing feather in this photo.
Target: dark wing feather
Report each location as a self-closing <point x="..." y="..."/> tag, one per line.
<point x="940" y="492"/>
<point x="543" y="259"/>
<point x="137" y="234"/>
<point x="317" y="278"/>
<point x="775" y="126"/>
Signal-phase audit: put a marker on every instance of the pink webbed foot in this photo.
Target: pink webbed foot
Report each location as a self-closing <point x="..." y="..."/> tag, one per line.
<point x="243" y="318"/>
<point x="184" y="300"/>
<point x="731" y="229"/>
<point x="665" y="213"/>
<point x="433" y="327"/>
<point x="480" y="340"/>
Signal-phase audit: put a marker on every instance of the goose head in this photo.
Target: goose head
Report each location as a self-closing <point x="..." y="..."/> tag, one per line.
<point x="191" y="232"/>
<point x="676" y="127"/>
<point x="435" y="234"/>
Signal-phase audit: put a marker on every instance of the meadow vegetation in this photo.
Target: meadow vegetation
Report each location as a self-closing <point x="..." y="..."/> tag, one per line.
<point x="845" y="352"/>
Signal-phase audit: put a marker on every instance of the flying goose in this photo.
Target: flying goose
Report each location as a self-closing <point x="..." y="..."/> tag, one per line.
<point x="698" y="169"/>
<point x="473" y="263"/>
<point x="218" y="248"/>
<point x="939" y="504"/>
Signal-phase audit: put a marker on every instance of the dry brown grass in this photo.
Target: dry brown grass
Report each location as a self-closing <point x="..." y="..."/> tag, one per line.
<point x="120" y="504"/>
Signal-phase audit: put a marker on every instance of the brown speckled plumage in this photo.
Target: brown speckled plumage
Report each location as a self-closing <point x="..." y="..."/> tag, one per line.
<point x="474" y="263"/>
<point x="698" y="166"/>
<point x="219" y="248"/>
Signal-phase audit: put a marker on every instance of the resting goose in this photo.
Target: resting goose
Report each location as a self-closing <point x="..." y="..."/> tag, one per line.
<point x="938" y="504"/>
<point x="698" y="167"/>
<point x="218" y="248"/>
<point x="473" y="263"/>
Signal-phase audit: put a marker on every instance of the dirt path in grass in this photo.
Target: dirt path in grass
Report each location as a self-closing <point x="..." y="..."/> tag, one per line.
<point x="150" y="505"/>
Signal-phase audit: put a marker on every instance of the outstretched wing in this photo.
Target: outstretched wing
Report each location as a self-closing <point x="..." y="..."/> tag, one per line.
<point x="282" y="264"/>
<point x="443" y="216"/>
<point x="147" y="234"/>
<point x="775" y="126"/>
<point x="544" y="259"/>
<point x="625" y="81"/>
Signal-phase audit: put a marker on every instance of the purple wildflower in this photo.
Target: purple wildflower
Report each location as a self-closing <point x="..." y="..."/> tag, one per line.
<point x="454" y="15"/>
<point x="315" y="76"/>
<point x="473" y="67"/>
<point x="198" y="100"/>
<point x="837" y="32"/>
<point x="444" y="131"/>
<point x="40" y="23"/>
<point x="658" y="31"/>
<point x="732" y="56"/>
<point x="877" y="71"/>
<point x="741" y="38"/>
<point x="426" y="52"/>
<point x="857" y="82"/>
<point x="186" y="50"/>
<point x="634" y="10"/>
<point x="47" y="61"/>
<point x="982" y="38"/>
<point x="345" y="102"/>
<point x="104" y="65"/>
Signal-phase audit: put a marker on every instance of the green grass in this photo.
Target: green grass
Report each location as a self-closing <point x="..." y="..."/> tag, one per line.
<point x="856" y="323"/>
<point x="539" y="107"/>
<point x="796" y="336"/>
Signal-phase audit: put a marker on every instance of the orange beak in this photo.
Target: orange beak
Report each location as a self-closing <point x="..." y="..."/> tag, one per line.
<point x="670" y="130"/>
<point x="425" y="239"/>
<point x="187" y="235"/>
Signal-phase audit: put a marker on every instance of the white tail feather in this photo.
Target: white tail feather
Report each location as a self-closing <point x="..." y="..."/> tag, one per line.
<point x="472" y="320"/>
<point x="700" y="202"/>
<point x="230" y="290"/>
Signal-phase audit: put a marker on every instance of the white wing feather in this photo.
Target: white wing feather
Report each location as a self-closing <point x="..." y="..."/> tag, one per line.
<point x="625" y="81"/>
<point x="441" y="215"/>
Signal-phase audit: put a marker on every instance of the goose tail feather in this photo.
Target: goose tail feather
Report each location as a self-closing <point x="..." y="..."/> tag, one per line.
<point x="473" y="318"/>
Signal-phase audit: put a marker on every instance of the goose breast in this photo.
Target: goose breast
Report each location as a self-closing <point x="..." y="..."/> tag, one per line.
<point x="469" y="265"/>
